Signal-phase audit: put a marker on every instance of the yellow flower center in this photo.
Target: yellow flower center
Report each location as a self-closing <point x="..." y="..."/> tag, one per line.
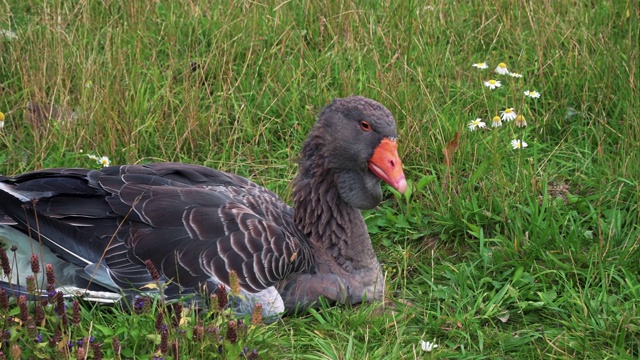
<point x="496" y="119"/>
<point x="520" y="118"/>
<point x="492" y="82"/>
<point x="502" y="65"/>
<point x="508" y="111"/>
<point x="1" y="116"/>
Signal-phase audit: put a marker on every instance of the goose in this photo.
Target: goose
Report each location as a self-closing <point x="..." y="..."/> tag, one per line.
<point x="100" y="228"/>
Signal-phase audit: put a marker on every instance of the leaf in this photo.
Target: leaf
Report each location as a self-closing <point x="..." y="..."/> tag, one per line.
<point x="150" y="286"/>
<point x="426" y="179"/>
<point x="450" y="148"/>
<point x="106" y="331"/>
<point x="517" y="274"/>
<point x="547" y="296"/>
<point x="409" y="191"/>
<point x="155" y="338"/>
<point x="479" y="172"/>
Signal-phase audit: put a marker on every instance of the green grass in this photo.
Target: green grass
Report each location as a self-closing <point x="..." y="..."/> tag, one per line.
<point x="504" y="254"/>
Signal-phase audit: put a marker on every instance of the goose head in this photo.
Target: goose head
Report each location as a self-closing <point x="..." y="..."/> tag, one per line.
<point x="354" y="143"/>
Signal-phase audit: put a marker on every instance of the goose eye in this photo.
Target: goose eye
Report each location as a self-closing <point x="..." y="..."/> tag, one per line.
<point x="365" y="126"/>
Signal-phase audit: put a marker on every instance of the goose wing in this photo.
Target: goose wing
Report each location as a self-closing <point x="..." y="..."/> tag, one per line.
<point x="195" y="224"/>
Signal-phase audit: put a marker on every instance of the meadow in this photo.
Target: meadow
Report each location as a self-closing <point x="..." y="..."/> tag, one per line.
<point x="496" y="252"/>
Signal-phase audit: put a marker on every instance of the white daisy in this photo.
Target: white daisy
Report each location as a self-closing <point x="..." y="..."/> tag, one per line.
<point x="428" y="346"/>
<point x="492" y="84"/>
<point x="532" y="94"/>
<point x="104" y="161"/>
<point x="477" y="123"/>
<point x="517" y="144"/>
<point x="502" y="69"/>
<point x="515" y="75"/>
<point x="496" y="121"/>
<point x="8" y="34"/>
<point x="508" y="114"/>
<point x="1" y="119"/>
<point x="480" y="65"/>
<point x="521" y="121"/>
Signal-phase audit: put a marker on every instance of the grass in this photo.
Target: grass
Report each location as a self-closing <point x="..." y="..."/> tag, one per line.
<point x="499" y="254"/>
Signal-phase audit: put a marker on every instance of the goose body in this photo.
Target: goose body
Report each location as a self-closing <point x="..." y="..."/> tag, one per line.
<point x="196" y="224"/>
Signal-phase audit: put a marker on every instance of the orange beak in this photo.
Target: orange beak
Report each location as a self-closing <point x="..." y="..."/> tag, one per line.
<point x="385" y="164"/>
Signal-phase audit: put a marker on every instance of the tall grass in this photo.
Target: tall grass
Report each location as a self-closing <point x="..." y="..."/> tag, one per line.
<point x="502" y="254"/>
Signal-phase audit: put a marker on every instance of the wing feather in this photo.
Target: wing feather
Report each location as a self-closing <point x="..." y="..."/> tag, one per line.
<point x="194" y="223"/>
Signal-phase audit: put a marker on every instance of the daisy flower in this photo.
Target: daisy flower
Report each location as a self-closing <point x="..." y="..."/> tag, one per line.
<point x="428" y="346"/>
<point x="496" y="121"/>
<point x="480" y="65"/>
<point x="8" y="34"/>
<point x="492" y="84"/>
<point x="502" y="69"/>
<point x="517" y="144"/>
<point x="532" y="94"/>
<point x="515" y="75"/>
<point x="104" y="161"/>
<point x="477" y="123"/>
<point x="508" y="114"/>
<point x="521" y="121"/>
<point x="1" y="119"/>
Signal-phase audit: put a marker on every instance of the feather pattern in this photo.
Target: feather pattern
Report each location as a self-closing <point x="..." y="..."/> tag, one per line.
<point x="197" y="224"/>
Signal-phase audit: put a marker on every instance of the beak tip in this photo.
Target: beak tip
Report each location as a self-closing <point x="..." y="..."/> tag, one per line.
<point x="401" y="186"/>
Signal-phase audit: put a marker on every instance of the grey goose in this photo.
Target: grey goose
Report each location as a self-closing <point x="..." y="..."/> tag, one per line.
<point x="196" y="224"/>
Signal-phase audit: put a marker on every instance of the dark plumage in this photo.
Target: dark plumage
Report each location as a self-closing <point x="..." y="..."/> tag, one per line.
<point x="196" y="224"/>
